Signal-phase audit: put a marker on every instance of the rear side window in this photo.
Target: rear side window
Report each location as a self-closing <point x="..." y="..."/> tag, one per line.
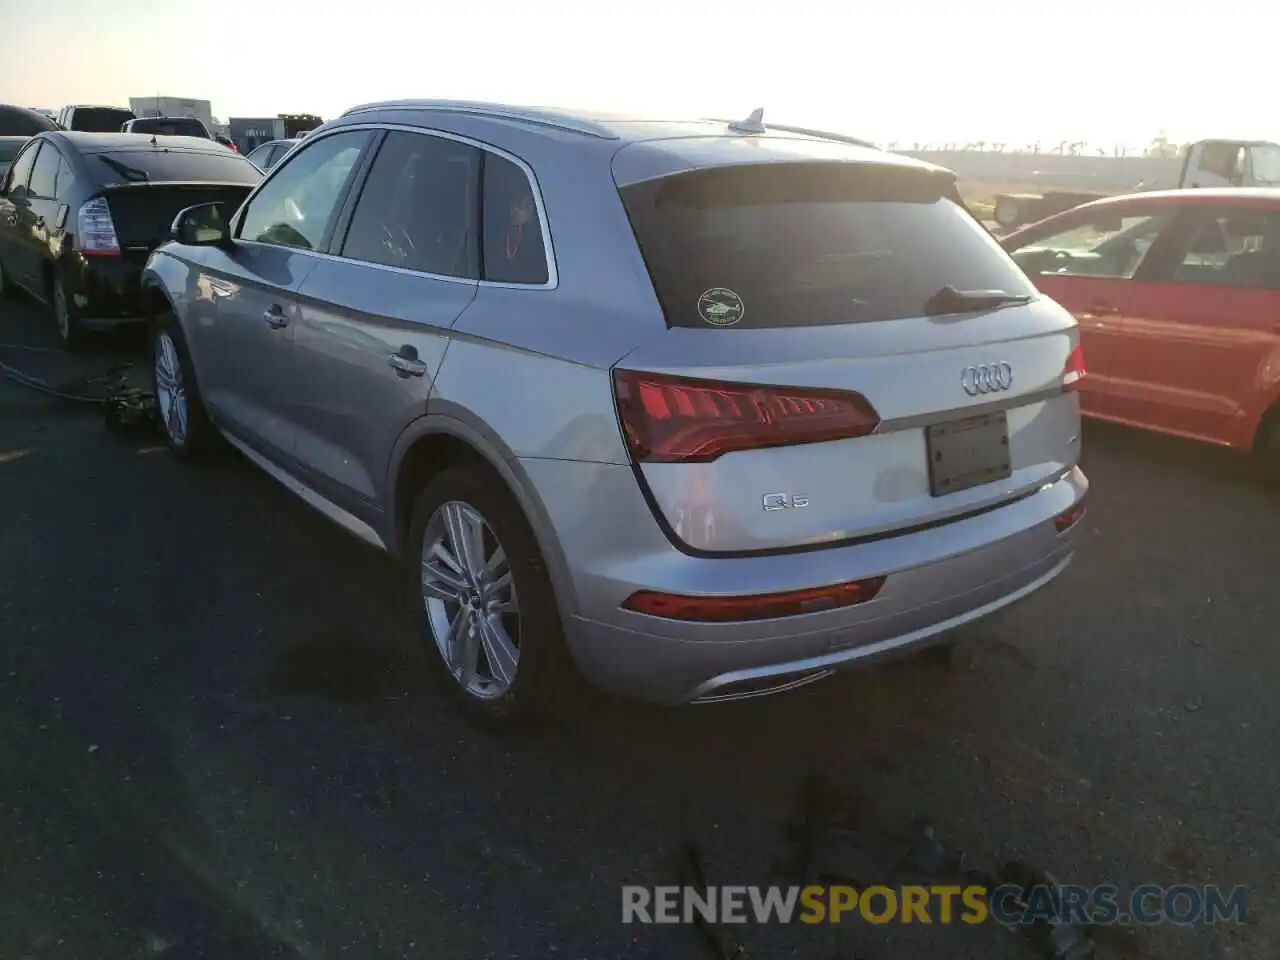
<point x="417" y="210"/>
<point x="803" y="244"/>
<point x="20" y="172"/>
<point x="513" y="248"/>
<point x="99" y="119"/>
<point x="160" y="165"/>
<point x="44" y="177"/>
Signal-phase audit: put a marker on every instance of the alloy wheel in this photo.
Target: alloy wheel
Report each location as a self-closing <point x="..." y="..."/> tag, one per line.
<point x="470" y="600"/>
<point x="171" y="395"/>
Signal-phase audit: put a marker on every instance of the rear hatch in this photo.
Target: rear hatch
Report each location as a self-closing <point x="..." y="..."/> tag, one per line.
<point x="147" y="188"/>
<point x="848" y="354"/>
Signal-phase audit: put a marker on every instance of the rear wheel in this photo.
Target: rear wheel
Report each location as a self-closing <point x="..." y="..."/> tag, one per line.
<point x="484" y="599"/>
<point x="183" y="421"/>
<point x="66" y="316"/>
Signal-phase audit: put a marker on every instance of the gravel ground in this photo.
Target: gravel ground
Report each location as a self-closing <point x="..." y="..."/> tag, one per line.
<point x="218" y="740"/>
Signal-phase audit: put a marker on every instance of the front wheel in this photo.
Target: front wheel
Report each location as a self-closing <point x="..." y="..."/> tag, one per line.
<point x="484" y="600"/>
<point x="183" y="421"/>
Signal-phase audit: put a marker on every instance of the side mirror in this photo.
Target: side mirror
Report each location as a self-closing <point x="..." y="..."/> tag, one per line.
<point x="204" y="225"/>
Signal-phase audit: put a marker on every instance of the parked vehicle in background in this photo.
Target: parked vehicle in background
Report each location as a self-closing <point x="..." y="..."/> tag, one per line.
<point x="1178" y="298"/>
<point x="9" y="147"/>
<point x="167" y="127"/>
<point x="91" y="119"/>
<point x="267" y="155"/>
<point x="226" y="142"/>
<point x="80" y="213"/>
<point x="1206" y="163"/>
<point x="706" y="413"/>
<point x="21" y="122"/>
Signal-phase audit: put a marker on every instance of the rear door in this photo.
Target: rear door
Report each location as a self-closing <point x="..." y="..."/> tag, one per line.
<point x="814" y="383"/>
<point x="242" y="329"/>
<point x="374" y="321"/>
<point x="15" y="216"/>
<point x="1206" y="328"/>
<point x="43" y="208"/>
<point x="1090" y="260"/>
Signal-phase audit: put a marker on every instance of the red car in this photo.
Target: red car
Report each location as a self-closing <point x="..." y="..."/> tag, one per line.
<point x="1178" y="298"/>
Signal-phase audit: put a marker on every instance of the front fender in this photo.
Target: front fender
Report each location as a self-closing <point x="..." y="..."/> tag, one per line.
<point x="455" y="422"/>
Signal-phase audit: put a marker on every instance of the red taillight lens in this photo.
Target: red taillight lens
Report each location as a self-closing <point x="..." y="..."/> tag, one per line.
<point x="679" y="420"/>
<point x="1070" y="517"/>
<point x="767" y="606"/>
<point x="1075" y="370"/>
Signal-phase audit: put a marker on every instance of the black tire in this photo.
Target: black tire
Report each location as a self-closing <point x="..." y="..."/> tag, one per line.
<point x="543" y="676"/>
<point x="199" y="439"/>
<point x="66" y="317"/>
<point x="6" y="287"/>
<point x="1266" y="446"/>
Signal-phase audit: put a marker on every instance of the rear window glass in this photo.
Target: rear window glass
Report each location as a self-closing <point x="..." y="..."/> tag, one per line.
<point x="99" y="119"/>
<point x="170" y="127"/>
<point x="9" y="149"/>
<point x="797" y="244"/>
<point x="20" y="122"/>
<point x="160" y="166"/>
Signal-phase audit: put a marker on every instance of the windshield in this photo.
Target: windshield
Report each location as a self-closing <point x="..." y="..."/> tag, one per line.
<point x="799" y="244"/>
<point x="170" y="127"/>
<point x="160" y="165"/>
<point x="99" y="119"/>
<point x="1266" y="164"/>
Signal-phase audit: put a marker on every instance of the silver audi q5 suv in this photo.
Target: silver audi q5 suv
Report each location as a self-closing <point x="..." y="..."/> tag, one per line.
<point x="697" y="410"/>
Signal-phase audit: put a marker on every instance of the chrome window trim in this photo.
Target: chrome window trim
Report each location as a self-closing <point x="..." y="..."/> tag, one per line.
<point x="553" y="274"/>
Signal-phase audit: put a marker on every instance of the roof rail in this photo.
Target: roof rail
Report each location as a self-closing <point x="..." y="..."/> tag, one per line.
<point x="754" y="124"/>
<point x="543" y="116"/>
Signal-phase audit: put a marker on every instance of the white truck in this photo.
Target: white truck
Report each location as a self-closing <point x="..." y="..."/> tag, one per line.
<point x="1206" y="163"/>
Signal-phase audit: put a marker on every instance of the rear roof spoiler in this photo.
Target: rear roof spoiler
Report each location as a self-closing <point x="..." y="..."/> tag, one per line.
<point x="755" y="124"/>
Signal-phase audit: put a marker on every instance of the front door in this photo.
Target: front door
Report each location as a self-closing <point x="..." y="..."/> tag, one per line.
<point x="1087" y="261"/>
<point x="244" y="324"/>
<point x="1207" y="329"/>
<point x="376" y="318"/>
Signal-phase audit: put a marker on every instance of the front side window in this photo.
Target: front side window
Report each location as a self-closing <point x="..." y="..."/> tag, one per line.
<point x="1098" y="244"/>
<point x="20" y="172"/>
<point x="296" y="208"/>
<point x="44" y="176"/>
<point x="417" y="210"/>
<point x="513" y="248"/>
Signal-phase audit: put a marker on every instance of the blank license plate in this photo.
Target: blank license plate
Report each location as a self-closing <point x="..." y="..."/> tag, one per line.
<point x="967" y="453"/>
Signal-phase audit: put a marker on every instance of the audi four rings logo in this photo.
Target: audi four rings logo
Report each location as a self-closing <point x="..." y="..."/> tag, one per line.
<point x="986" y="378"/>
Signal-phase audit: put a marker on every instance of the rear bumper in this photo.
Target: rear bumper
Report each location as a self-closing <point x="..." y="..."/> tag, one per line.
<point x="105" y="291"/>
<point x="937" y="580"/>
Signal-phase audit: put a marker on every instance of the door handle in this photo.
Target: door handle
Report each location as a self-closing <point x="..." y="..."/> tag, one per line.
<point x="406" y="363"/>
<point x="274" y="315"/>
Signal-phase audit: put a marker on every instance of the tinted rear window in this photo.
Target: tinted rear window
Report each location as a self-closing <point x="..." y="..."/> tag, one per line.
<point x="20" y="122"/>
<point x="160" y="166"/>
<point x="170" y="127"/>
<point x="797" y="244"/>
<point x="9" y="149"/>
<point x="99" y="119"/>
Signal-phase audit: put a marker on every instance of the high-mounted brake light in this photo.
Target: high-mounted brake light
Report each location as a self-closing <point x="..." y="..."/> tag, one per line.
<point x="671" y="606"/>
<point x="96" y="231"/>
<point x="669" y="419"/>
<point x="1074" y="371"/>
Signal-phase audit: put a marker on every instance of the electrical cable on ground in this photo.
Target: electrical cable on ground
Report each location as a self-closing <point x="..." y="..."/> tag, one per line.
<point x="41" y="386"/>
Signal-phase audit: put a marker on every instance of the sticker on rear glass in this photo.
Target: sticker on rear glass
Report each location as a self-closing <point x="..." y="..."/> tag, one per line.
<point x="720" y="307"/>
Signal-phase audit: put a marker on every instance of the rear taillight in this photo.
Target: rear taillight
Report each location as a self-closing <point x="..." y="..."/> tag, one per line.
<point x="678" y="420"/>
<point x="671" y="606"/>
<point x="1075" y="370"/>
<point x="1070" y="517"/>
<point x="96" y="231"/>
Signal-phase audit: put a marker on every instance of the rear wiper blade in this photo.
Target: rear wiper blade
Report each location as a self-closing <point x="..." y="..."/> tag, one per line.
<point x="950" y="300"/>
<point x="132" y="174"/>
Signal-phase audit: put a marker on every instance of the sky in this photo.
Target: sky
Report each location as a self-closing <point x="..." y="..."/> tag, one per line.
<point x="906" y="71"/>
